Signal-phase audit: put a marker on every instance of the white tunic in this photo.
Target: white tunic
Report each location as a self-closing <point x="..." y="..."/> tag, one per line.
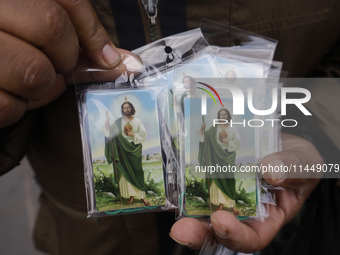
<point x="218" y="197"/>
<point x="137" y="128"/>
<point x="128" y="190"/>
<point x="234" y="140"/>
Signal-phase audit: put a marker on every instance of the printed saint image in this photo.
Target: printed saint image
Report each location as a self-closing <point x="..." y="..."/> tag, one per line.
<point x="213" y="156"/>
<point x="233" y="70"/>
<point x="125" y="148"/>
<point x="223" y="140"/>
<point x="181" y="83"/>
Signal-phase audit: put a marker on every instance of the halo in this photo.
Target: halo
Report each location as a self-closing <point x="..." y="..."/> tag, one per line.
<point x="231" y="68"/>
<point x="213" y="109"/>
<point x="126" y="97"/>
<point x="180" y="73"/>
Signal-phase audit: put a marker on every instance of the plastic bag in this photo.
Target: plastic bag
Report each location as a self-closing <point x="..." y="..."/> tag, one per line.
<point x="98" y="90"/>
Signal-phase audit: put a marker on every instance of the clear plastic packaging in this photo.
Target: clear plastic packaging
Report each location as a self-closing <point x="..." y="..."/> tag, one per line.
<point x="215" y="72"/>
<point x="159" y="86"/>
<point x="269" y="144"/>
<point x="123" y="135"/>
<point x="100" y="95"/>
<point x="211" y="247"/>
<point x="200" y="172"/>
<point x="238" y="44"/>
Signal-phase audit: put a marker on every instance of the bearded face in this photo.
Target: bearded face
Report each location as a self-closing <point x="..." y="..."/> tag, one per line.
<point x="223" y="115"/>
<point x="189" y="83"/>
<point x="127" y="109"/>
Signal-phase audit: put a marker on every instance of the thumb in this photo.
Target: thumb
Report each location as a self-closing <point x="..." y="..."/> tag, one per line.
<point x="292" y="166"/>
<point x="93" y="38"/>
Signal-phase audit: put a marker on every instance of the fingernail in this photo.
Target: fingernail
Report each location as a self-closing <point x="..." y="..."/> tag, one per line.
<point x="277" y="172"/>
<point x="219" y="229"/>
<point x="110" y="55"/>
<point x="180" y="242"/>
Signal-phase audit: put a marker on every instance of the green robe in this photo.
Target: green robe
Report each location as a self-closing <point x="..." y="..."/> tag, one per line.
<point x="216" y="155"/>
<point x="128" y="156"/>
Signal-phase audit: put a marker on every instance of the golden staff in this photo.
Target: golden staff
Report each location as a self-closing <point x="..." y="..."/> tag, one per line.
<point x="114" y="163"/>
<point x="206" y="165"/>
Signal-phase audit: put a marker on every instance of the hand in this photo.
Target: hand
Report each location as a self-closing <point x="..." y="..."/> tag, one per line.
<point x="129" y="133"/>
<point x="176" y="105"/>
<point x="254" y="236"/>
<point x="203" y="128"/>
<point x="223" y="140"/>
<point x="39" y="40"/>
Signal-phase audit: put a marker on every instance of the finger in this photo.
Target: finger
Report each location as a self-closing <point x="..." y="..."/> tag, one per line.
<point x="246" y="237"/>
<point x="24" y="70"/>
<point x="93" y="38"/>
<point x="190" y="232"/>
<point x="88" y="71"/>
<point x="12" y="108"/>
<point x="57" y="90"/>
<point x="286" y="165"/>
<point x="46" y="25"/>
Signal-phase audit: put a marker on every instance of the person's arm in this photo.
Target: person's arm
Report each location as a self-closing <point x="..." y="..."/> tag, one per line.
<point x="41" y="40"/>
<point x="106" y="127"/>
<point x="200" y="133"/>
<point x="235" y="143"/>
<point x="320" y="136"/>
<point x="106" y="131"/>
<point x="140" y="135"/>
<point x="14" y="140"/>
<point x="254" y="236"/>
<point x="39" y="48"/>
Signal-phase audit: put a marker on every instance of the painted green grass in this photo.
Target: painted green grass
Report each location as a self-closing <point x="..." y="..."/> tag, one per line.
<point x="106" y="169"/>
<point x="194" y="207"/>
<point x="195" y="187"/>
<point x="152" y="164"/>
<point x="147" y="166"/>
<point x="107" y="203"/>
<point x="103" y="178"/>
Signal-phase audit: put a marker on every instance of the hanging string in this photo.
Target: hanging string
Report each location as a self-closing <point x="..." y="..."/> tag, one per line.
<point x="132" y="210"/>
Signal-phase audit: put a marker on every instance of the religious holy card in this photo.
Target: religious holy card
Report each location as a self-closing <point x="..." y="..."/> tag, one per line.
<point x="220" y="148"/>
<point x="215" y="155"/>
<point x="125" y="150"/>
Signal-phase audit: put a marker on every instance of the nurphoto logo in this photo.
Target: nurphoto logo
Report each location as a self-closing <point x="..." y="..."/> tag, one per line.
<point x="238" y="104"/>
